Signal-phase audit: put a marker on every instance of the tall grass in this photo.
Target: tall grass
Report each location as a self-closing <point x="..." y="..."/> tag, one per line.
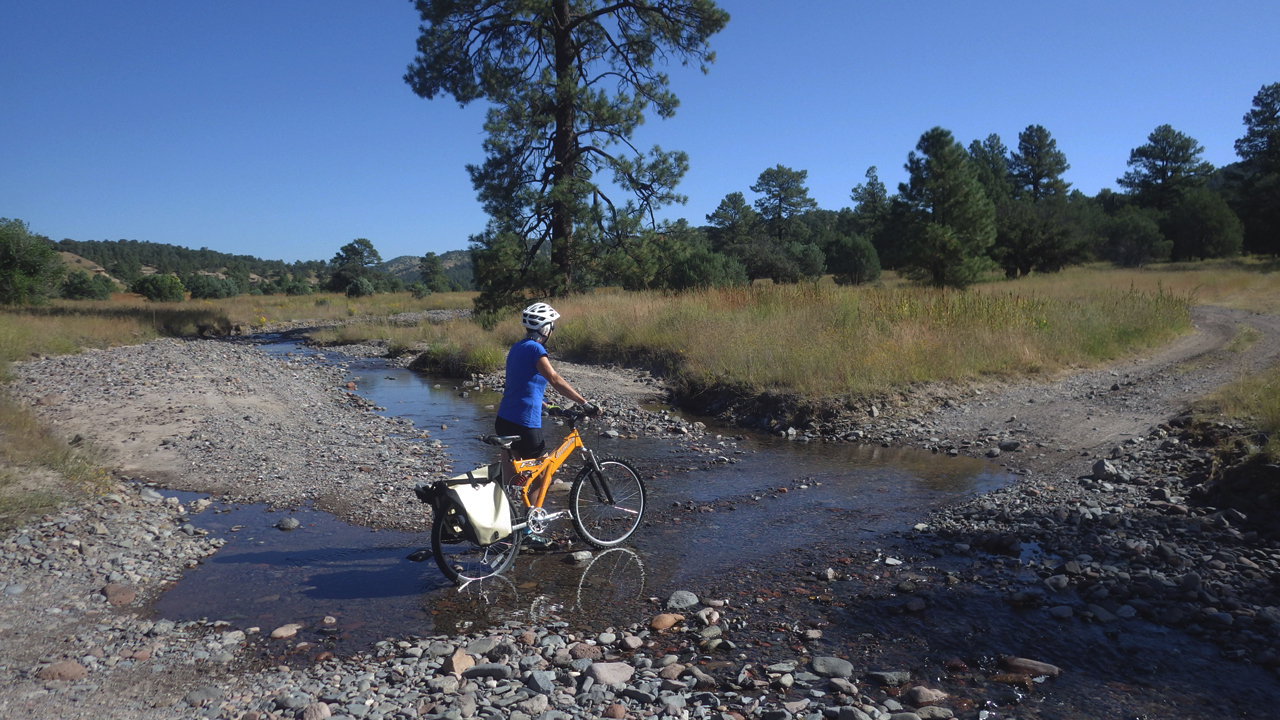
<point x="29" y="451"/>
<point x="258" y="310"/>
<point x="1252" y="400"/>
<point x="1241" y="283"/>
<point x="830" y="341"/>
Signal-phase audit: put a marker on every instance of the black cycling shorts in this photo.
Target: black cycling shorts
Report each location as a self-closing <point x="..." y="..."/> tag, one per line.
<point x="530" y="444"/>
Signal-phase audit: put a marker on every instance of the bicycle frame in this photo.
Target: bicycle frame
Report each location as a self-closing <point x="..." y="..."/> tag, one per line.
<point x="542" y="470"/>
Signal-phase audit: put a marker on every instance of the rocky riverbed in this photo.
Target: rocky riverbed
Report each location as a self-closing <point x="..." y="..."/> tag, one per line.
<point x="1077" y="552"/>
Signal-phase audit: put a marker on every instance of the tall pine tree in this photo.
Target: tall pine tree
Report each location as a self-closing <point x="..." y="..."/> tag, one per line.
<point x="949" y="221"/>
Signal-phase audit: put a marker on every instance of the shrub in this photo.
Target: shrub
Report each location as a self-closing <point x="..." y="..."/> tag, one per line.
<point x="854" y="261"/>
<point x="30" y="268"/>
<point x="297" y="287"/>
<point x="79" y="285"/>
<point x="419" y="290"/>
<point x="160" y="288"/>
<point x="208" y="287"/>
<point x="360" y="287"/>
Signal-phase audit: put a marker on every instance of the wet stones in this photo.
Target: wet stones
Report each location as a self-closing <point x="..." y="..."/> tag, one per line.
<point x="681" y="600"/>
<point x="832" y="667"/>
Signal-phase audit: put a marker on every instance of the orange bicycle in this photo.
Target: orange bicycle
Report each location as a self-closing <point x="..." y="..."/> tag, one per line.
<point x="607" y="501"/>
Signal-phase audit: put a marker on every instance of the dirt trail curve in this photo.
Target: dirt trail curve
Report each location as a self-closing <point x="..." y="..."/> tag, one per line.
<point x="1091" y="412"/>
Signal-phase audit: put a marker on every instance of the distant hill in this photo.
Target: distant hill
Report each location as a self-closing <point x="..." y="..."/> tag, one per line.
<point x="457" y="267"/>
<point x="127" y="260"/>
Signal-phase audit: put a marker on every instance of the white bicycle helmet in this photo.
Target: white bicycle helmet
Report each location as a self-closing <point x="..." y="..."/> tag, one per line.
<point x="539" y="317"/>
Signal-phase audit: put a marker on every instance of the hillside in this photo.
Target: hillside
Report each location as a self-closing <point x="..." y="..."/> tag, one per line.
<point x="457" y="267"/>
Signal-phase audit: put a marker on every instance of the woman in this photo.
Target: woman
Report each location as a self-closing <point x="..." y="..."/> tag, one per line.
<point x="528" y="373"/>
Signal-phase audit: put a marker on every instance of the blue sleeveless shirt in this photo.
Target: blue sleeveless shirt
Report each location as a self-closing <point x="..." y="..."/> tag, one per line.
<point x="522" y="400"/>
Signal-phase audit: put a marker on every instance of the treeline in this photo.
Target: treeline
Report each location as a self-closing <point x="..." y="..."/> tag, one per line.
<point x="31" y="271"/>
<point x="963" y="213"/>
<point x="124" y="260"/>
<point x="357" y="269"/>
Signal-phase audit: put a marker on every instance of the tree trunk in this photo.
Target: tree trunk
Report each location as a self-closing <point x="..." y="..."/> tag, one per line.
<point x="563" y="149"/>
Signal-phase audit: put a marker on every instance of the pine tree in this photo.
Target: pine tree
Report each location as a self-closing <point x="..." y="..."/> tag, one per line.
<point x="949" y="221"/>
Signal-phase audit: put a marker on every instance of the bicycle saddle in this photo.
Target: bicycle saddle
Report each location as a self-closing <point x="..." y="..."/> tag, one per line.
<point x="502" y="441"/>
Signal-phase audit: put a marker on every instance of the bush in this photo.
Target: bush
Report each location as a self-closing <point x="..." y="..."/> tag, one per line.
<point x="160" y="288"/>
<point x="30" y="268"/>
<point x="79" y="285"/>
<point x="296" y="287"/>
<point x="854" y="261"/>
<point x="419" y="290"/>
<point x="1134" y="239"/>
<point x="360" y="287"/>
<point x="208" y="287"/>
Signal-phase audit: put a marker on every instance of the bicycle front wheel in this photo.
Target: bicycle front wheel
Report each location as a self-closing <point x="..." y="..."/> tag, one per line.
<point x="462" y="560"/>
<point x="607" y="505"/>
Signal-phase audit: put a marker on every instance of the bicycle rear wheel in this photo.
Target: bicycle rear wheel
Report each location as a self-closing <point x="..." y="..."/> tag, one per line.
<point x="607" y="505"/>
<point x="462" y="560"/>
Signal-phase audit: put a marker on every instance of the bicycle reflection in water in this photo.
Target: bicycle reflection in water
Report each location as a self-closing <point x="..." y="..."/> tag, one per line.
<point x="609" y="583"/>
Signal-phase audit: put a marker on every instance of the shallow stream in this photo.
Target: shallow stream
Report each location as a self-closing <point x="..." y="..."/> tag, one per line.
<point x="706" y="518"/>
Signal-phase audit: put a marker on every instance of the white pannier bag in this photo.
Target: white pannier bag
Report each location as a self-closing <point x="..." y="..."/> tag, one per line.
<point x="480" y="497"/>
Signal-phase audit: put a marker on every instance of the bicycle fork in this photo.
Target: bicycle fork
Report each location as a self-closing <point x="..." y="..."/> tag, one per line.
<point x="598" y="482"/>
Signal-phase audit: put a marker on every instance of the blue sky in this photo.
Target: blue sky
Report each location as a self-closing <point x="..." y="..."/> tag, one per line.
<point x="283" y="128"/>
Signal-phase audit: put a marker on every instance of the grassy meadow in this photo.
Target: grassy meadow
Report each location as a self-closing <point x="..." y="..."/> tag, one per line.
<point x="815" y="340"/>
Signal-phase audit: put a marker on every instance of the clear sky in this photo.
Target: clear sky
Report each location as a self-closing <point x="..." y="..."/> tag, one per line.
<point x="283" y="128"/>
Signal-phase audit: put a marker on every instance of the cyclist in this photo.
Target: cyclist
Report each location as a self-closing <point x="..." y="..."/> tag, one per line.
<point x="529" y="372"/>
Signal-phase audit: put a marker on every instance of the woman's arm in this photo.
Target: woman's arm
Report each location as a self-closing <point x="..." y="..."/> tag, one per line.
<point x="544" y="369"/>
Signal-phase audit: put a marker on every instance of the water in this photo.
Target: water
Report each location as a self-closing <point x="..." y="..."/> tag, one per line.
<point x="705" y="518"/>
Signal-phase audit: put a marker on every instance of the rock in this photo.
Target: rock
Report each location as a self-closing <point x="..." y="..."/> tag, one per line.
<point x="65" y="670"/>
<point x="542" y="682"/>
<point x="671" y="672"/>
<point x="1061" y="612"/>
<point x="498" y="671"/>
<point x="615" y="711"/>
<point x="610" y="673"/>
<point x="578" y="651"/>
<point x="891" y="678"/>
<point x="316" y="711"/>
<point x="843" y="686"/>
<point x="1057" y="583"/>
<point x="580" y="556"/>
<point x="285" y="631"/>
<point x="1105" y="470"/>
<point x="14" y="589"/>
<point x="291" y="701"/>
<point x="149" y="496"/>
<point x="664" y="621"/>
<point x="832" y="667"/>
<point x="681" y="600"/>
<point x="458" y="662"/>
<point x="1101" y="614"/>
<point x="920" y="696"/>
<point x="935" y="712"/>
<point x="1009" y="445"/>
<point x="848" y="712"/>
<point x="534" y="706"/>
<point x="203" y="695"/>
<point x="288" y="523"/>
<point x="1030" y="667"/>
<point x="119" y="595"/>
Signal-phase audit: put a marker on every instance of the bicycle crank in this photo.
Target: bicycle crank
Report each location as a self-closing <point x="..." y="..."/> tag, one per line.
<point x="538" y="519"/>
